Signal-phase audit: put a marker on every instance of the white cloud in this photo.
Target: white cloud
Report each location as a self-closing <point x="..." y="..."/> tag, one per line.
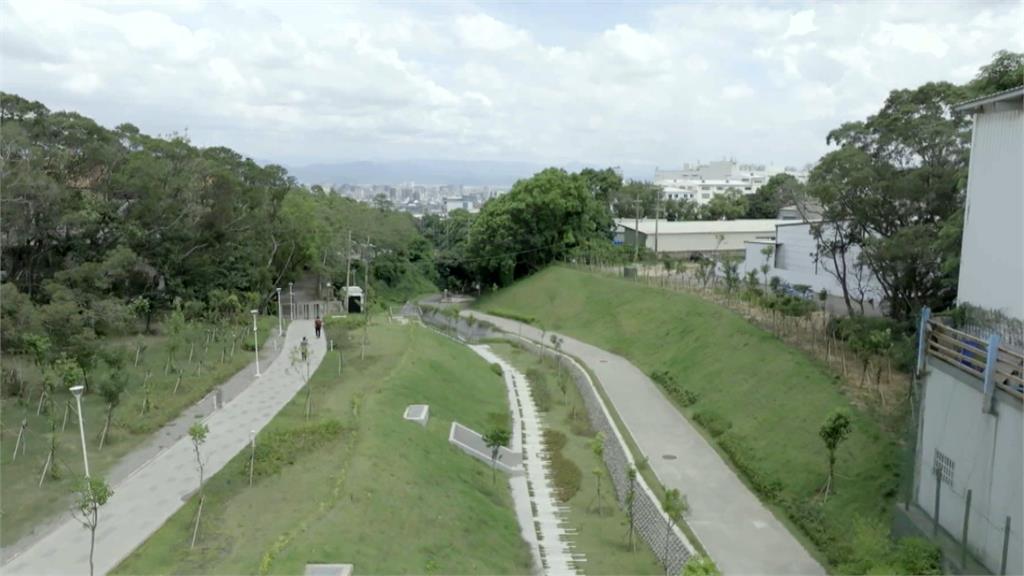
<point x="482" y="32"/>
<point x="801" y="24"/>
<point x="317" y="82"/>
<point x="915" y="38"/>
<point x="737" y="91"/>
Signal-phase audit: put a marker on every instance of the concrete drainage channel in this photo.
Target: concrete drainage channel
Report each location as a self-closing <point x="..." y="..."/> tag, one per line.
<point x="537" y="502"/>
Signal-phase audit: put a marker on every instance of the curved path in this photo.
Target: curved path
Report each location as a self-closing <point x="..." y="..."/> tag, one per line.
<point x="143" y="501"/>
<point x="739" y="533"/>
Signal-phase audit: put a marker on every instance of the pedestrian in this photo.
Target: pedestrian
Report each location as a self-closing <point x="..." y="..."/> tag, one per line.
<point x="317" y="324"/>
<point x="304" y="348"/>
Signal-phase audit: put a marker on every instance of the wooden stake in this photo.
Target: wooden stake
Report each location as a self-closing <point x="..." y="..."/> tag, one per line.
<point x="21" y="432"/>
<point x="198" y="516"/>
<point x="46" y="467"/>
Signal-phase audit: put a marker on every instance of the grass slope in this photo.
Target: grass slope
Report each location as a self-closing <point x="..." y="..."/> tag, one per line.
<point x="766" y="400"/>
<point x="382" y="493"/>
<point x="24" y="502"/>
<point x="601" y="535"/>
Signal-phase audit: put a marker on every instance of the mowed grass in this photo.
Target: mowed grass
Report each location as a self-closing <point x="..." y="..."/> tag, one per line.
<point x="384" y="494"/>
<point x="771" y="398"/>
<point x="601" y="531"/>
<point x="25" y="504"/>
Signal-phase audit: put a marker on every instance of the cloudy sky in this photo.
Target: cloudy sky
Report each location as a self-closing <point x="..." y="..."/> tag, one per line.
<point x="603" y="83"/>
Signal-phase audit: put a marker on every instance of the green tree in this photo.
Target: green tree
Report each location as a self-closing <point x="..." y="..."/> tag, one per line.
<point x="111" y="390"/>
<point x="895" y="180"/>
<point x="198" y="433"/>
<point x="1005" y="71"/>
<point x="541" y="219"/>
<point x="833" y="432"/>
<point x="597" y="447"/>
<point x="494" y="440"/>
<point x="780" y="190"/>
<point x="91" y="494"/>
<point x="630" y="505"/>
<point x="729" y="205"/>
<point x="674" y="506"/>
<point x="700" y="565"/>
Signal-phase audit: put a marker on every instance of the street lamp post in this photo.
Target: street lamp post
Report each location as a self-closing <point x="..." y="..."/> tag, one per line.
<point x="256" y="342"/>
<point x="77" y="391"/>
<point x="291" y="307"/>
<point x="280" y="319"/>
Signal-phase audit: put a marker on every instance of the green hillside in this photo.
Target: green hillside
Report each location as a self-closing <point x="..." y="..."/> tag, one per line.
<point x="762" y="401"/>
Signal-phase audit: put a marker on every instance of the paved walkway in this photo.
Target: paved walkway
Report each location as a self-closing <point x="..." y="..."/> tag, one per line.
<point x="150" y="495"/>
<point x="157" y="442"/>
<point x="740" y="534"/>
<point x="545" y="514"/>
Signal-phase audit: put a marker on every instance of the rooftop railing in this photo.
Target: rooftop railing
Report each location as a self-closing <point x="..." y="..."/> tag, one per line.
<point x="997" y="366"/>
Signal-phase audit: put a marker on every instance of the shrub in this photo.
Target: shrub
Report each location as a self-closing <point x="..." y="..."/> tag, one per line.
<point x="683" y="396"/>
<point x="566" y="475"/>
<point x="496" y="368"/>
<point x="280" y="448"/>
<point x="11" y="383"/>
<point x="744" y="459"/>
<point x="713" y="422"/>
<point x="918" y="556"/>
<point x="511" y="315"/>
<point x="700" y="565"/>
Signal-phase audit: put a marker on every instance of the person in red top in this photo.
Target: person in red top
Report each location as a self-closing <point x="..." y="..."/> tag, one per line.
<point x="317" y="324"/>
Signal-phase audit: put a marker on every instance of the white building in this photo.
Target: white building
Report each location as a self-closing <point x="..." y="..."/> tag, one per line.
<point x="793" y="256"/>
<point x="452" y="203"/>
<point x="970" y="442"/>
<point x="690" y="237"/>
<point x="702" y="182"/>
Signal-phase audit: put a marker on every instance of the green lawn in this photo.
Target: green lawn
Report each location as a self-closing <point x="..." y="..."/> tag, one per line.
<point x="24" y="503"/>
<point x="382" y="493"/>
<point x="602" y="537"/>
<point x="765" y="399"/>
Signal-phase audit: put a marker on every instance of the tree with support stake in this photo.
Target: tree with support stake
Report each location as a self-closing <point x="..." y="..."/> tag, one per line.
<point x="494" y="440"/>
<point x="91" y="494"/>
<point x="630" y="501"/>
<point x="674" y="505"/>
<point x="111" y="391"/>
<point x="597" y="447"/>
<point x="833" y="432"/>
<point x="198" y="433"/>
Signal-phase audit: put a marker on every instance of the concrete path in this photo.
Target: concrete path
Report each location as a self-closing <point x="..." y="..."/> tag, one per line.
<point x="150" y="495"/>
<point x="546" y="516"/>
<point x="740" y="534"/>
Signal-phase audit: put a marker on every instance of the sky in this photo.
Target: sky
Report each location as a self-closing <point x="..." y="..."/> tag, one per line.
<point x="644" y="83"/>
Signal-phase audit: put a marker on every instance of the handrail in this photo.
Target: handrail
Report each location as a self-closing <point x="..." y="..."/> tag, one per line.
<point x="969" y="354"/>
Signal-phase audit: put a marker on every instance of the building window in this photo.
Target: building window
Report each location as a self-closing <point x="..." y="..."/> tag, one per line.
<point x="944" y="467"/>
<point x="705" y="195"/>
<point x="780" y="257"/>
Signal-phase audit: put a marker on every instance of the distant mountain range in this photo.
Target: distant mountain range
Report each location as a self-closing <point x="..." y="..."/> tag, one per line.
<point x="434" y="172"/>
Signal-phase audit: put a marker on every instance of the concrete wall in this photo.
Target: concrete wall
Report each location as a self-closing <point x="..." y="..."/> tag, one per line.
<point x="992" y="254"/>
<point x="987" y="451"/>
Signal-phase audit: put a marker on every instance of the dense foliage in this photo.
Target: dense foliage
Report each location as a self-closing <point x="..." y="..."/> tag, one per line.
<point x="103" y="228"/>
<point x="895" y="187"/>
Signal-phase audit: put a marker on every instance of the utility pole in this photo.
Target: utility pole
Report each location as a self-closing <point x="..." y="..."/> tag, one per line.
<point x="366" y="298"/>
<point x="636" y="231"/>
<point x="657" y="216"/>
<point x="348" y="263"/>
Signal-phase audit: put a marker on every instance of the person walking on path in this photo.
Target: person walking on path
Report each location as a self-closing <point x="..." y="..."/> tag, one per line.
<point x="317" y="325"/>
<point x="304" y="348"/>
